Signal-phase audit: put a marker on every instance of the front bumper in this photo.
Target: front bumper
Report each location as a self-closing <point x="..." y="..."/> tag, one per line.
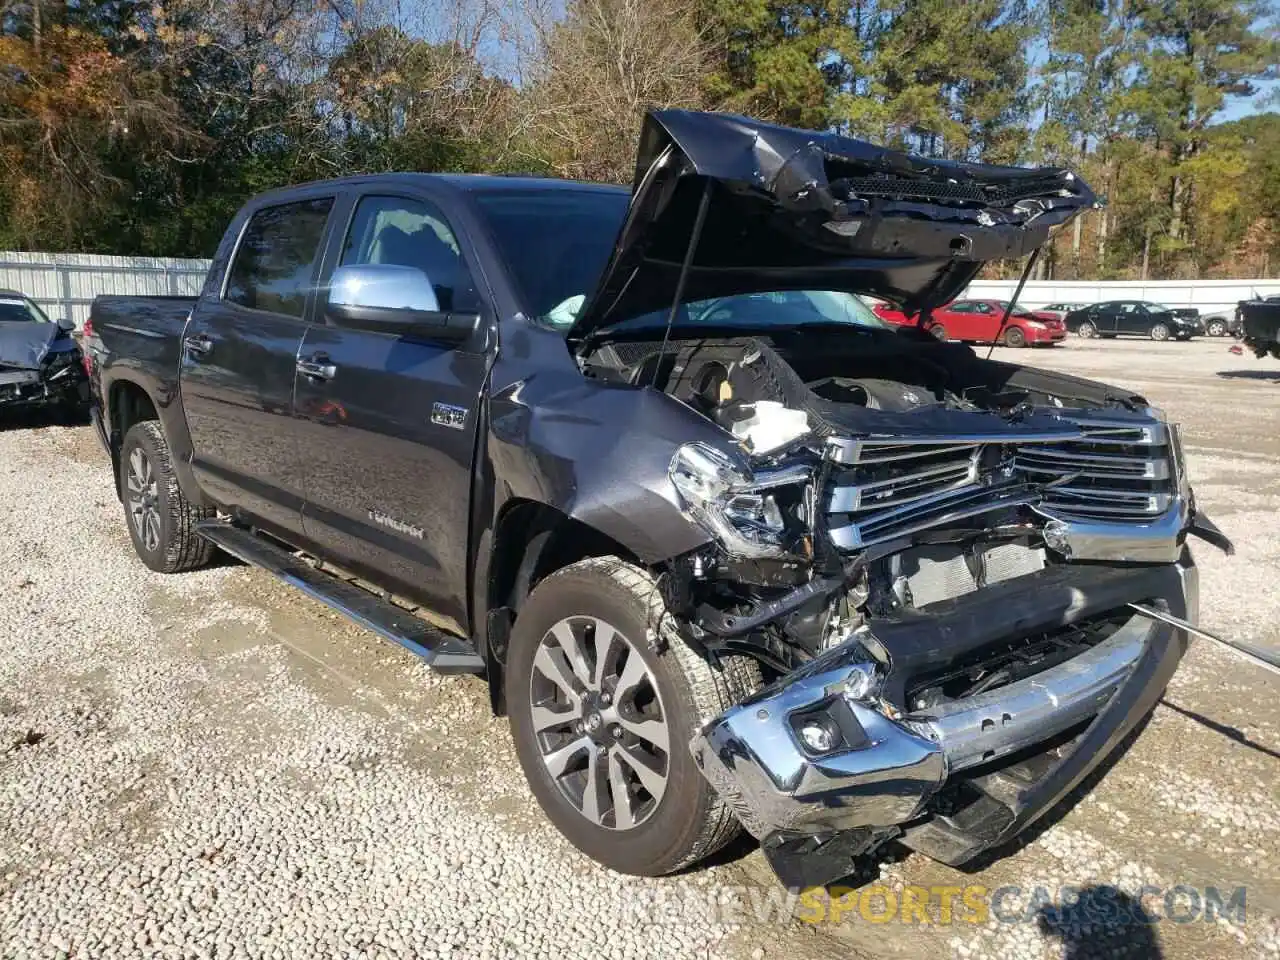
<point x="894" y="768"/>
<point x="1049" y="334"/>
<point x="35" y="388"/>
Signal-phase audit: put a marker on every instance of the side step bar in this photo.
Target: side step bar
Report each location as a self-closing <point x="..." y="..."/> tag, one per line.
<point x="443" y="653"/>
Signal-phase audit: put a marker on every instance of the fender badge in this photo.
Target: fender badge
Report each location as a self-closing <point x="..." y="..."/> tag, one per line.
<point x="448" y="415"/>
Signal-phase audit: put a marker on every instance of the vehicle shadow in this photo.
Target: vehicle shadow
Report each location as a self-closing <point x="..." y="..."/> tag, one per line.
<point x="32" y="419"/>
<point x="1272" y="375"/>
<point x="1226" y="730"/>
<point x="1103" y="921"/>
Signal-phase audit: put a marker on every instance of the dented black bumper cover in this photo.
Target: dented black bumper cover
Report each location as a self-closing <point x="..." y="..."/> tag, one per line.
<point x="961" y="778"/>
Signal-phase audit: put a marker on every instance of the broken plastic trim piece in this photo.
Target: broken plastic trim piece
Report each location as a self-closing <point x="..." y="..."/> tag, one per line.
<point x="1204" y="528"/>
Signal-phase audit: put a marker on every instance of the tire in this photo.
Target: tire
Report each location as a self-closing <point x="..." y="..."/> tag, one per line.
<point x="1086" y="330"/>
<point x="1159" y="331"/>
<point x="688" y="821"/>
<point x="938" y="331"/>
<point x="160" y="519"/>
<point x="1216" y="328"/>
<point x="1013" y="337"/>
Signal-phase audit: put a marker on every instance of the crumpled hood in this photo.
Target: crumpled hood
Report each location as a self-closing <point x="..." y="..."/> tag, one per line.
<point x="24" y="344"/>
<point x="793" y="209"/>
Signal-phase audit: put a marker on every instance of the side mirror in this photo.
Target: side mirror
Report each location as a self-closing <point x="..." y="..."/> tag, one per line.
<point x="66" y="325"/>
<point x="393" y="299"/>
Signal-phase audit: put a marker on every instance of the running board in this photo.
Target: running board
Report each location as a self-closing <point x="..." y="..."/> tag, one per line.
<point x="443" y="653"/>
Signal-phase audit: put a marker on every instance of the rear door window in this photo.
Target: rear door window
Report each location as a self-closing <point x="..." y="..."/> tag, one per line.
<point x="274" y="264"/>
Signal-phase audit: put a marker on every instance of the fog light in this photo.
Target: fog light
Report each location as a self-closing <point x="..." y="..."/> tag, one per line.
<point x="819" y="735"/>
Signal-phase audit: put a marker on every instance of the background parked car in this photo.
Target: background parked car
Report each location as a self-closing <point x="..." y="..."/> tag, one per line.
<point x="978" y="321"/>
<point x="40" y="362"/>
<point x="1142" y="318"/>
<point x="1221" y="323"/>
<point x="1058" y="311"/>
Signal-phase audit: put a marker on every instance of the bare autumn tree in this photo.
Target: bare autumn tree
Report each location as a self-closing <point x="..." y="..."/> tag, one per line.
<point x="596" y="72"/>
<point x="67" y="104"/>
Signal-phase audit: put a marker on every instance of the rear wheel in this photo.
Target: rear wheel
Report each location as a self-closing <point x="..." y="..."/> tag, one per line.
<point x="1216" y="328"/>
<point x="1013" y="337"/>
<point x="1159" y="331"/>
<point x="1086" y="330"/>
<point x="161" y="520"/>
<point x="602" y="722"/>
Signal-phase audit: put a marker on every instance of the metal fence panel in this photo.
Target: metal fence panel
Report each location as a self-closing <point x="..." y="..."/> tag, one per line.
<point x="64" y="284"/>
<point x="1208" y="296"/>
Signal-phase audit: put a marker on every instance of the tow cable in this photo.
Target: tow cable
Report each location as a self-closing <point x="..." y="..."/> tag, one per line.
<point x="1243" y="651"/>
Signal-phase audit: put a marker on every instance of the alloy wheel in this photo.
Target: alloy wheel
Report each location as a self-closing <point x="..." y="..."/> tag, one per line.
<point x="599" y="723"/>
<point x="1159" y="332"/>
<point x="1086" y="330"/>
<point x="143" y="494"/>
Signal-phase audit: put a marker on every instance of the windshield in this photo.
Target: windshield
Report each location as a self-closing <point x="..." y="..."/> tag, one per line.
<point x="16" y="310"/>
<point x="555" y="243"/>
<point x="1003" y="305"/>
<point x="785" y="308"/>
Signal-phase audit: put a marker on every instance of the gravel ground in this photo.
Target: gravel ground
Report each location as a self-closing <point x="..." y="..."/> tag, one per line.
<point x="210" y="765"/>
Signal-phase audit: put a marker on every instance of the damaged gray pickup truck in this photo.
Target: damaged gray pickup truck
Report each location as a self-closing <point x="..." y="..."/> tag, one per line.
<point x="729" y="551"/>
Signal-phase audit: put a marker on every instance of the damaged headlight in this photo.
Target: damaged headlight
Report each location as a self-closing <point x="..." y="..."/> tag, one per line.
<point x="723" y="496"/>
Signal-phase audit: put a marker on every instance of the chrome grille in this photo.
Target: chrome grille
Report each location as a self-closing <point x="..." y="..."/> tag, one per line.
<point x="1119" y="471"/>
<point x="890" y="489"/>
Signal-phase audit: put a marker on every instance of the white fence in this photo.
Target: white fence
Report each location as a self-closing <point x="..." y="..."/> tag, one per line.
<point x="64" y="284"/>
<point x="1208" y="296"/>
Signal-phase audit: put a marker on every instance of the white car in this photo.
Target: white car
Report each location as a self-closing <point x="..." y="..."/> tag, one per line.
<point x="1061" y="309"/>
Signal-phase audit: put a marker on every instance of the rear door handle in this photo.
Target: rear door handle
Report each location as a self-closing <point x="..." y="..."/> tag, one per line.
<point x="317" y="367"/>
<point x="199" y="344"/>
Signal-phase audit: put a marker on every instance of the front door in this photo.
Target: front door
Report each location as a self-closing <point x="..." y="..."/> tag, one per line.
<point x="962" y="321"/>
<point x="392" y="427"/>
<point x="239" y="353"/>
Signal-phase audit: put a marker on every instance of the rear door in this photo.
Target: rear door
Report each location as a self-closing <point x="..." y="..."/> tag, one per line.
<point x="240" y="349"/>
<point x="1130" y="317"/>
<point x="390" y="433"/>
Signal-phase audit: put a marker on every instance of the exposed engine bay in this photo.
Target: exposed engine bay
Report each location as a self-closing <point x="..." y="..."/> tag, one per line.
<point x="853" y="439"/>
<point x="949" y="542"/>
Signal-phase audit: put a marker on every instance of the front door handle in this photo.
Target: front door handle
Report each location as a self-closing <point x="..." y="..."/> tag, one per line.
<point x="199" y="344"/>
<point x="317" y="367"/>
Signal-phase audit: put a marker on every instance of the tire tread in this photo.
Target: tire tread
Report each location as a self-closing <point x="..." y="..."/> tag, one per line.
<point x="713" y="688"/>
<point x="185" y="549"/>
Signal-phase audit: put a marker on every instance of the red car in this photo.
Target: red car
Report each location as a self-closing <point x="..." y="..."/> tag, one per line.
<point x="978" y="321"/>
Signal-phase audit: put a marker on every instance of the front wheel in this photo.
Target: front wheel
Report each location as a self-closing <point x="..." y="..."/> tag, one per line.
<point x="161" y="520"/>
<point x="1086" y="330"/>
<point x="1159" y="331"/>
<point x="1216" y="328"/>
<point x="939" y="331"/>
<point x="1013" y="337"/>
<point x="602" y="722"/>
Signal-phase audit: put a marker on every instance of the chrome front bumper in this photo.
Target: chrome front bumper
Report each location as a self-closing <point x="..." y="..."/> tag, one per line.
<point x="888" y="764"/>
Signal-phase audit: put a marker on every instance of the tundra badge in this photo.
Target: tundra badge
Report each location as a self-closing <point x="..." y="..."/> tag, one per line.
<point x="447" y="415"/>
